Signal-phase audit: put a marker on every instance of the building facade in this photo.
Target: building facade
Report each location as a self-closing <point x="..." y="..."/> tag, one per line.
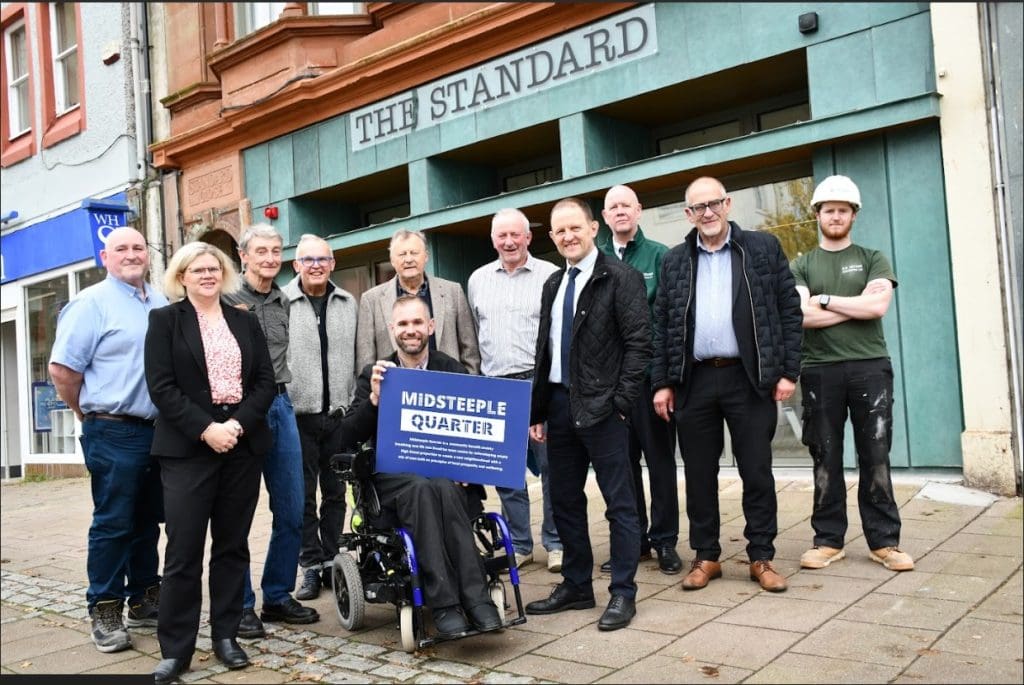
<point x="351" y="120"/>
<point x="74" y="165"/>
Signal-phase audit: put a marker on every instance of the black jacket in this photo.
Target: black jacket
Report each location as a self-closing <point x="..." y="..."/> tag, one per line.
<point x="611" y="344"/>
<point x="360" y="421"/>
<point x="766" y="311"/>
<point x="180" y="387"/>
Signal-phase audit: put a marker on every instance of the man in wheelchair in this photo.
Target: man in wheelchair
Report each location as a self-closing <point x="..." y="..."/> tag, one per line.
<point x="436" y="512"/>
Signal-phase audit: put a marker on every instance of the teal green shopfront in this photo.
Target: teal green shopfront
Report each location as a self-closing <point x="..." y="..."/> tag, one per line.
<point x="653" y="97"/>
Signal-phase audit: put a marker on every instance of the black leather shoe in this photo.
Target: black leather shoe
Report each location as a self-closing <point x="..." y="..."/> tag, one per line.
<point x="449" y="621"/>
<point x="668" y="561"/>
<point x="169" y="670"/>
<point x="619" y="613"/>
<point x="230" y="654"/>
<point x="562" y="598"/>
<point x="327" y="577"/>
<point x="484" y="617"/>
<point x="310" y="585"/>
<point x="250" y="626"/>
<point x="289" y="611"/>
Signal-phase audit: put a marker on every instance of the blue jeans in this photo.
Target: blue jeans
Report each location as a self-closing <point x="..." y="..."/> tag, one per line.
<point x="127" y="501"/>
<point x="515" y="506"/>
<point x="282" y="473"/>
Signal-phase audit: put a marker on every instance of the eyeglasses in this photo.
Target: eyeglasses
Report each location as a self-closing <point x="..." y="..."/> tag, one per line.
<point x="201" y="270"/>
<point x="310" y="261"/>
<point x="714" y="206"/>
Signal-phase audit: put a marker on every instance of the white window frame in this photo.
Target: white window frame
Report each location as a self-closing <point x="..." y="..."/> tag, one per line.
<point x="252" y="16"/>
<point x="15" y="112"/>
<point x="60" y="86"/>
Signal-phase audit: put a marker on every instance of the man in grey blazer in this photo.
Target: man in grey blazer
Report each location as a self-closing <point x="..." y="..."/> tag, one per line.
<point x="454" y="328"/>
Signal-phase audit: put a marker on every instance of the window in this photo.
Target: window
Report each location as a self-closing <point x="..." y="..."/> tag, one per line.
<point x="17" y="79"/>
<point x="53" y="428"/>
<point x="18" y="143"/>
<point x="64" y="44"/>
<point x="63" y="78"/>
<point x="251" y="16"/>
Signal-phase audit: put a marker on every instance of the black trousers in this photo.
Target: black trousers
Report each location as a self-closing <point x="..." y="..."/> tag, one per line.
<point x="320" y="438"/>
<point x="435" y="512"/>
<point x="219" y="492"/>
<point x="654" y="440"/>
<point x="571" y="452"/>
<point x="863" y="387"/>
<point x="716" y="395"/>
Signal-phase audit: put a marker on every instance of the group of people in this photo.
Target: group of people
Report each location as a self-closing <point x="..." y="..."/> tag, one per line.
<point x="630" y="346"/>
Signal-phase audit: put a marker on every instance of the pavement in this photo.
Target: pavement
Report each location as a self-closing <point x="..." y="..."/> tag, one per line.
<point x="957" y="618"/>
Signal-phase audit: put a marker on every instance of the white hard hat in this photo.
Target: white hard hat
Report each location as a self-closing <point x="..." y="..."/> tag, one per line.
<point x="836" y="189"/>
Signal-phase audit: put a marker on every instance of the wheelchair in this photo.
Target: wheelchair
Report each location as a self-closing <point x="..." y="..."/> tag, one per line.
<point x="377" y="561"/>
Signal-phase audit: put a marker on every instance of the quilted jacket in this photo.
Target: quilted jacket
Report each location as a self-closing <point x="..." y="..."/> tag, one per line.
<point x="766" y="311"/>
<point x="611" y="344"/>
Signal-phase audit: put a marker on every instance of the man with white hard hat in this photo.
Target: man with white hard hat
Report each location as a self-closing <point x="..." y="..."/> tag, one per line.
<point x="845" y="290"/>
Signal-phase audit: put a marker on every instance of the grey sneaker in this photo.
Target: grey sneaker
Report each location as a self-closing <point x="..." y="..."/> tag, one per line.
<point x="144" y="613"/>
<point x="108" y="631"/>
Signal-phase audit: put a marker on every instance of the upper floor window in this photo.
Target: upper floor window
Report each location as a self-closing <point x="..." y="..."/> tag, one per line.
<point x="18" y="103"/>
<point x="17" y="117"/>
<point x="64" y="46"/>
<point x="250" y="16"/>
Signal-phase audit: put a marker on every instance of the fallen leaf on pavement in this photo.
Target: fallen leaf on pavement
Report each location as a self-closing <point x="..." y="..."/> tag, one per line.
<point x="688" y="658"/>
<point x="927" y="652"/>
<point x="25" y="664"/>
<point x="709" y="671"/>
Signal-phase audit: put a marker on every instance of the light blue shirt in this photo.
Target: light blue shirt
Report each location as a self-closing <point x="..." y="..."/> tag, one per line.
<point x="586" y="267"/>
<point x="101" y="334"/>
<point x="713" y="334"/>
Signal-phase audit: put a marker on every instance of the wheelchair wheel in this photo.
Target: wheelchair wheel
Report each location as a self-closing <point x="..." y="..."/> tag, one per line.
<point x="407" y="628"/>
<point x="348" y="592"/>
<point x="498" y="597"/>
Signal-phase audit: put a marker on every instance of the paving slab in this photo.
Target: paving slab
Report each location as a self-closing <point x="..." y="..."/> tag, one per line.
<point x="984" y="639"/>
<point x="806" y="668"/>
<point x="853" y="640"/>
<point x="613" y="649"/>
<point x="934" y="666"/>
<point x="781" y="613"/>
<point x="745" y="647"/>
<point x="663" y="669"/>
<point x="555" y="670"/>
<point x="906" y="612"/>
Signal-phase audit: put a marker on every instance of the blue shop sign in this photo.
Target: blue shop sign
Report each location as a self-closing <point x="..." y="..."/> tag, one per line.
<point x="61" y="240"/>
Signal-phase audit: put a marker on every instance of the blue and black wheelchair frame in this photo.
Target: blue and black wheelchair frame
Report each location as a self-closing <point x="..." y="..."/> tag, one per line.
<point x="377" y="561"/>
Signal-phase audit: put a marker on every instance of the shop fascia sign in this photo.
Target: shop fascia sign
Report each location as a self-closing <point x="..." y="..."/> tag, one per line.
<point x="104" y="217"/>
<point x="593" y="48"/>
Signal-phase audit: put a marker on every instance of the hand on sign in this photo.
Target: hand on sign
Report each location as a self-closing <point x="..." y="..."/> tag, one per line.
<point x="537" y="432"/>
<point x="379" y="369"/>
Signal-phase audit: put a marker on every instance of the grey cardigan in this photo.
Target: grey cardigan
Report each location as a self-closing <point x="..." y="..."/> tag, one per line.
<point x="306" y="386"/>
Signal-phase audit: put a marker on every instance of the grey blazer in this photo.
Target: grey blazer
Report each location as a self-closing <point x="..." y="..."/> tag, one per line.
<point x="454" y="328"/>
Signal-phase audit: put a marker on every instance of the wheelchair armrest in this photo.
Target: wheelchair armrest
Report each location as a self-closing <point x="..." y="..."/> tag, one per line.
<point x="358" y="465"/>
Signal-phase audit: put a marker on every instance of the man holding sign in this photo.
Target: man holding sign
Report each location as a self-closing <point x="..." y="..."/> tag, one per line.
<point x="592" y="352"/>
<point x="433" y="510"/>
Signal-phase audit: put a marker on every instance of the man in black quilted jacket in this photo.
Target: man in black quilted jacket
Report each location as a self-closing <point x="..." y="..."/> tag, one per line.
<point x="727" y="334"/>
<point x="593" y="347"/>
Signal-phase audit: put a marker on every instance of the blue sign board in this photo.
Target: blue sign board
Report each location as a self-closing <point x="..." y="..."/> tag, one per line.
<point x="54" y="242"/>
<point x="104" y="217"/>
<point x="44" y="401"/>
<point x="471" y="429"/>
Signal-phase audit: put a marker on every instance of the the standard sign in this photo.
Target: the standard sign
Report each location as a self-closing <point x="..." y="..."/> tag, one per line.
<point x="467" y="428"/>
<point x="587" y="50"/>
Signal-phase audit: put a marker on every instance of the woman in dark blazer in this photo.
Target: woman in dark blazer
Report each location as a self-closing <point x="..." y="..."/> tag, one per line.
<point x="211" y="378"/>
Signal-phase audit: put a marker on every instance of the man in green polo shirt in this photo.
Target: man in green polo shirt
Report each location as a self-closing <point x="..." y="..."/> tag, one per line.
<point x="845" y="290"/>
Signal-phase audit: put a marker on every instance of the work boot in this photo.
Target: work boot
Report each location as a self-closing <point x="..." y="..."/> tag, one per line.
<point x="893" y="559"/>
<point x="108" y="631"/>
<point x="820" y="557"/>
<point x="143" y="614"/>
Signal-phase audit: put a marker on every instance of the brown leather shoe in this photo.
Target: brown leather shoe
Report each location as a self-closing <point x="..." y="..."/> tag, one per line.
<point x="762" y="571"/>
<point x="701" y="573"/>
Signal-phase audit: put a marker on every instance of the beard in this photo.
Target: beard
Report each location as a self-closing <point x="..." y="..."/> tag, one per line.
<point x="413" y="345"/>
<point x="836" y="232"/>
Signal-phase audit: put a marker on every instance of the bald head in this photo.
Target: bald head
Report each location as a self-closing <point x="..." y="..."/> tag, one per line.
<point x="125" y="256"/>
<point x="622" y="213"/>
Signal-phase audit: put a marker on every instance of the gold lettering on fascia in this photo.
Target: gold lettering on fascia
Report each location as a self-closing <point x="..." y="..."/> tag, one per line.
<point x="593" y="48"/>
<point x="210" y="186"/>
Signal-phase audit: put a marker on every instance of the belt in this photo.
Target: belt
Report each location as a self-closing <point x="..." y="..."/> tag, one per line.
<point x="281" y="388"/>
<point x="521" y="376"/>
<point x="717" y="362"/>
<point x="123" y="418"/>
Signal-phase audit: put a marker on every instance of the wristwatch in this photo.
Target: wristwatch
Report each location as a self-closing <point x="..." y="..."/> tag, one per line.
<point x="823" y="301"/>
